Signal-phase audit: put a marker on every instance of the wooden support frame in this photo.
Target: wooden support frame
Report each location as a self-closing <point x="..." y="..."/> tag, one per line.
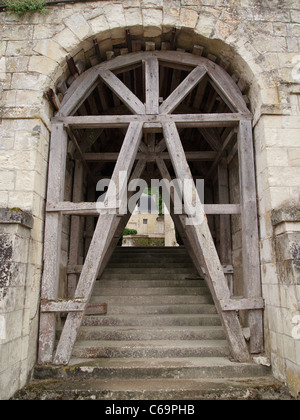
<point x="208" y="258"/>
<point x="105" y="228"/>
<point x="153" y="118"/>
<point x="53" y="235"/>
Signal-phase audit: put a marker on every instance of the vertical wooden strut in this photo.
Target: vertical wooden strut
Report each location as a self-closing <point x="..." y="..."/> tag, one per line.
<point x="53" y="233"/>
<point x="201" y="241"/>
<point x="104" y="232"/>
<point x="251" y="260"/>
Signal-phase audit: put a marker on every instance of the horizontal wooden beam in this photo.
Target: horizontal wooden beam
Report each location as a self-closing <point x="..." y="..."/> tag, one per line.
<point x="90" y="209"/>
<point x="149" y="157"/>
<point x="73" y="305"/>
<point x="242" y="304"/>
<point x="181" y="120"/>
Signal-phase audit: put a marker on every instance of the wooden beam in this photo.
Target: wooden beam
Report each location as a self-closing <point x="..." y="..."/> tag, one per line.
<point x="220" y="153"/>
<point x="209" y="257"/>
<point x="73" y="305"/>
<point x="122" y="121"/>
<point x="152" y="85"/>
<point x="181" y="92"/>
<point x="104" y="232"/>
<point x="52" y="239"/>
<point x="122" y="92"/>
<point x="227" y="89"/>
<point x="150" y="157"/>
<point x="242" y="304"/>
<point x="75" y="98"/>
<point x="88" y="209"/>
<point x="250" y="237"/>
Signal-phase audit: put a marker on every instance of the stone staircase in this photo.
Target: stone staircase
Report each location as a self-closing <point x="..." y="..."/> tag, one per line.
<point x="161" y="339"/>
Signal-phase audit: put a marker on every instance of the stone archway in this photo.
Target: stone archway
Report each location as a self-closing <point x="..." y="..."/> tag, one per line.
<point x="151" y="93"/>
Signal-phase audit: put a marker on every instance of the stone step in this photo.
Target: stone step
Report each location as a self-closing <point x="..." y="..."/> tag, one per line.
<point x="160" y="389"/>
<point x="151" y="333"/>
<point x="150" y="259"/>
<point x="147" y="291"/>
<point x="159" y="265"/>
<point x="115" y="309"/>
<point x="203" y="298"/>
<point x="137" y="368"/>
<point x="125" y="283"/>
<point x="150" y="348"/>
<point x="152" y="270"/>
<point x="120" y="275"/>
<point x="153" y="320"/>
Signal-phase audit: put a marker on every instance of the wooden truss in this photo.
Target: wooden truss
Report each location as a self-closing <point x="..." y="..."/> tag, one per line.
<point x="150" y="117"/>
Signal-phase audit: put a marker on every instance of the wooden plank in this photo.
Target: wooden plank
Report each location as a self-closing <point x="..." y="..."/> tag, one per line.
<point x="74" y="305"/>
<point x="76" y="228"/>
<point x="225" y="227"/>
<point x="181" y="92"/>
<point x="152" y="85"/>
<point x="112" y="157"/>
<point x="88" y="209"/>
<point x="122" y="121"/>
<point x="220" y="153"/>
<point x="52" y="239"/>
<point x="88" y="82"/>
<point x="250" y="237"/>
<point x="242" y="304"/>
<point x="227" y="89"/>
<point x="101" y="240"/>
<point x="200" y="236"/>
<point x="122" y="92"/>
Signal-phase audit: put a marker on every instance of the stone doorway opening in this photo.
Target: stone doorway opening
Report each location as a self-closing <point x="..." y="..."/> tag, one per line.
<point x="162" y="115"/>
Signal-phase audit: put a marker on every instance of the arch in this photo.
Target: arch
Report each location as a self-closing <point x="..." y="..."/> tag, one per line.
<point x="152" y="113"/>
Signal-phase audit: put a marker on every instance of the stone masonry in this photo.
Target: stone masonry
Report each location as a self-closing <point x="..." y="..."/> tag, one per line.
<point x="260" y="39"/>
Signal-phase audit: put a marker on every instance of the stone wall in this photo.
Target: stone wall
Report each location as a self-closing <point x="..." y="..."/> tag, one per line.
<point x="260" y="38"/>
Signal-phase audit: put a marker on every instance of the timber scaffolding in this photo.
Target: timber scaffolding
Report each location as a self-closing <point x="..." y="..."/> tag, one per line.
<point x="154" y="114"/>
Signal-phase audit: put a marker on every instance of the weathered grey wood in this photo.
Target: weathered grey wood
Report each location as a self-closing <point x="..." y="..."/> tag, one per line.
<point x="250" y="238"/>
<point x="227" y="89"/>
<point x="76" y="228"/>
<point x="83" y="83"/>
<point x="152" y="85"/>
<point x="53" y="233"/>
<point x="242" y="304"/>
<point x="150" y="157"/>
<point x="101" y="239"/>
<point x="122" y="92"/>
<point x="74" y="305"/>
<point x="220" y="153"/>
<point x="88" y="82"/>
<point x="209" y="257"/>
<point x="225" y="227"/>
<point x="122" y="121"/>
<point x="85" y="209"/>
<point x="181" y="92"/>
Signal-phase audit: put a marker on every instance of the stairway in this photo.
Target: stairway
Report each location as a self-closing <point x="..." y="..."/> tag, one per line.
<point x="160" y="339"/>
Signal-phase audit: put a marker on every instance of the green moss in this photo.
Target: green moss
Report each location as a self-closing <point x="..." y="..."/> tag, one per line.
<point x="20" y="7"/>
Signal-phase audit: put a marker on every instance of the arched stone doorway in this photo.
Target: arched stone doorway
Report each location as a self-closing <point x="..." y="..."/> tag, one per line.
<point x="158" y="113"/>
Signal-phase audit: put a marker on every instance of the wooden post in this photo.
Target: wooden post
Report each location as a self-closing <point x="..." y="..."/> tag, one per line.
<point x="225" y="228"/>
<point x="104" y="232"/>
<point x="76" y="227"/>
<point x="250" y="239"/>
<point x="52" y="241"/>
<point x="201" y="240"/>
